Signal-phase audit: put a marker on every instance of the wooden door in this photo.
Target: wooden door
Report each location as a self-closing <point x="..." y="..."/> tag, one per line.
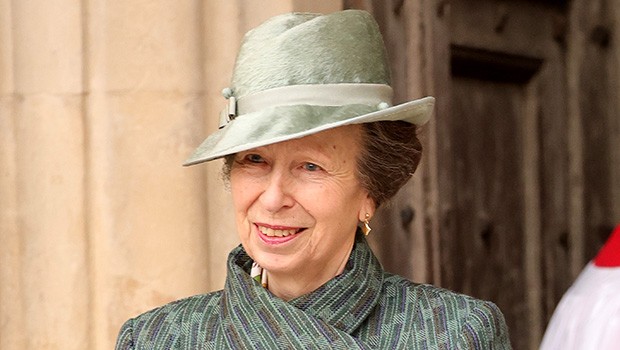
<point x="496" y="173"/>
<point x="505" y="160"/>
<point x="519" y="182"/>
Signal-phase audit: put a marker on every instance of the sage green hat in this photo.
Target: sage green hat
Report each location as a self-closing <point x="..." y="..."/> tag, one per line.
<point x="301" y="73"/>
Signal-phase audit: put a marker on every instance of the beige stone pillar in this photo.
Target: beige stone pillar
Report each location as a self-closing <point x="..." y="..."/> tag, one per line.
<point x="147" y="215"/>
<point x="11" y="311"/>
<point x="48" y="175"/>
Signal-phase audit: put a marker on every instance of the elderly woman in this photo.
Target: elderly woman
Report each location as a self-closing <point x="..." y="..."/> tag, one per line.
<point x="312" y="147"/>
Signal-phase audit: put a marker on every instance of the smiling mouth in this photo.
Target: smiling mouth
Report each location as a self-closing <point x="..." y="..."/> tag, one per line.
<point x="272" y="232"/>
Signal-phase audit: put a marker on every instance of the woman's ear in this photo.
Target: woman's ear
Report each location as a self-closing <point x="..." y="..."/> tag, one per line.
<point x="367" y="207"/>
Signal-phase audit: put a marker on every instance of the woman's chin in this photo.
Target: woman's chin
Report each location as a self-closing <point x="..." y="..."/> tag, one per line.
<point x="275" y="262"/>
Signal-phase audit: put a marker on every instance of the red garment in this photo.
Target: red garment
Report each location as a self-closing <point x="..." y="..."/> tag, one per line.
<point x="609" y="255"/>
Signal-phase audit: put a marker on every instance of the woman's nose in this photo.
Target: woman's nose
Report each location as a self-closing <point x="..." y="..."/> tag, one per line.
<point x="277" y="195"/>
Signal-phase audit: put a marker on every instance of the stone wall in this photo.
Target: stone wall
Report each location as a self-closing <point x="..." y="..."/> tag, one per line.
<point x="100" y="103"/>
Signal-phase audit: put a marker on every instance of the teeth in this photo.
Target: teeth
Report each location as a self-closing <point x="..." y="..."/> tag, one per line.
<point x="276" y="233"/>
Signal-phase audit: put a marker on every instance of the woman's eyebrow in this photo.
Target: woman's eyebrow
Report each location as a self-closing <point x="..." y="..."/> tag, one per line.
<point x="321" y="153"/>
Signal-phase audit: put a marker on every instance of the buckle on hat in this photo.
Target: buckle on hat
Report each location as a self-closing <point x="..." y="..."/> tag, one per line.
<point x="232" y="108"/>
<point x="229" y="113"/>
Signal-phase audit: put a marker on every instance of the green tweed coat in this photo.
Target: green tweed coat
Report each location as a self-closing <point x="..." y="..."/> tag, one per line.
<point x="362" y="308"/>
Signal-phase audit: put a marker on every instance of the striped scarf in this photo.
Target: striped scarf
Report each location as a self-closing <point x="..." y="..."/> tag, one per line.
<point x="324" y="318"/>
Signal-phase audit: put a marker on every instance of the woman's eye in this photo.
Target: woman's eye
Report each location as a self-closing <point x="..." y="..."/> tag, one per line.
<point x="255" y="158"/>
<point x="311" y="167"/>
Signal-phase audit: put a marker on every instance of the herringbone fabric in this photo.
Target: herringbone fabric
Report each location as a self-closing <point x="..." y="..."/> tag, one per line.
<point x="362" y="308"/>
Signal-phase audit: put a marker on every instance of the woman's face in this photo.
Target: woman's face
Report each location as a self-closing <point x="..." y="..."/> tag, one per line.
<point x="297" y="202"/>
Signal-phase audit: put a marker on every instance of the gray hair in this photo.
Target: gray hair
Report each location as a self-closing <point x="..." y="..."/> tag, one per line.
<point x="390" y="155"/>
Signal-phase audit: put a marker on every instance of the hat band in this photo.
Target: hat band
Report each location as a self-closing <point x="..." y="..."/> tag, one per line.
<point x="313" y="95"/>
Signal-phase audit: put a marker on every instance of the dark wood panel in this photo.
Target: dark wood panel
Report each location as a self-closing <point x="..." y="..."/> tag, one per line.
<point x="483" y="257"/>
<point x="555" y="203"/>
<point x="401" y="248"/>
<point x="599" y="119"/>
<point x="509" y="26"/>
<point x="487" y="65"/>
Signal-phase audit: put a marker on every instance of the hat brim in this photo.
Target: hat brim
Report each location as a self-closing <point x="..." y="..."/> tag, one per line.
<point x="282" y="123"/>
